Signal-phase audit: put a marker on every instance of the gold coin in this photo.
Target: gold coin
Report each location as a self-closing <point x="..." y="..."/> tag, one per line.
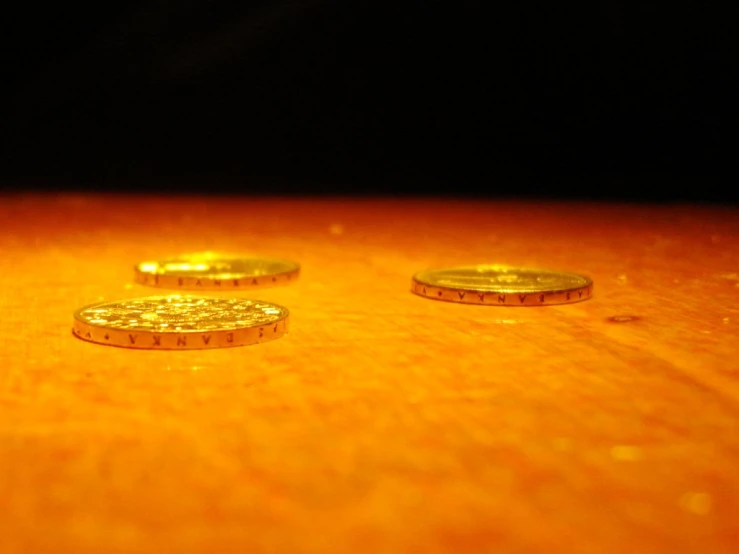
<point x="496" y="285"/>
<point x="180" y="322"/>
<point x="209" y="271"/>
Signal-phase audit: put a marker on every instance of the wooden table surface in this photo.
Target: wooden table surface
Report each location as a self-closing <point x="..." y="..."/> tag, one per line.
<point x="384" y="422"/>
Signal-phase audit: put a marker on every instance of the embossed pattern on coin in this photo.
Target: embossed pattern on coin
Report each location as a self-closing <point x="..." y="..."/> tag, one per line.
<point x="180" y="322"/>
<point x="502" y="286"/>
<point x="210" y="271"/>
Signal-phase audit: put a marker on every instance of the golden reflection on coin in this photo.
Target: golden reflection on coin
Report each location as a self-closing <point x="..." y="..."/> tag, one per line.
<point x="496" y="285"/>
<point x="178" y="322"/>
<point x="211" y="271"/>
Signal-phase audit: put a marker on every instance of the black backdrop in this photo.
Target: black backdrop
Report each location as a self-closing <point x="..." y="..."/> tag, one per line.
<point x="601" y="100"/>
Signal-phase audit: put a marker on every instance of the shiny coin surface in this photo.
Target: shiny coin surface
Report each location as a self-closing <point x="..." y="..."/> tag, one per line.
<point x="496" y="285"/>
<point x="208" y="271"/>
<point x="180" y="322"/>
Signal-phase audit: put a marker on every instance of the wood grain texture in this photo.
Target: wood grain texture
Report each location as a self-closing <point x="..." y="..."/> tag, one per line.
<point x="384" y="422"/>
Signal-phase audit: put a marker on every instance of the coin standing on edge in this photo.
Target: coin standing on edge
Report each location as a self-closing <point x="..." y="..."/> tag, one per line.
<point x="215" y="272"/>
<point x="495" y="285"/>
<point x="180" y="322"/>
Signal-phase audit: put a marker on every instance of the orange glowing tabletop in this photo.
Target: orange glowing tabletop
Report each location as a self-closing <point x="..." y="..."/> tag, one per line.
<point x="383" y="422"/>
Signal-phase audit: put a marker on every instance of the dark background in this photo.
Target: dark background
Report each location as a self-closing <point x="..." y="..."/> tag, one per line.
<point x="601" y="100"/>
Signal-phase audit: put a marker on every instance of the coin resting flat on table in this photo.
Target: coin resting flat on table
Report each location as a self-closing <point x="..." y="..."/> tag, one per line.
<point x="215" y="272"/>
<point x="178" y="322"/>
<point x="497" y="285"/>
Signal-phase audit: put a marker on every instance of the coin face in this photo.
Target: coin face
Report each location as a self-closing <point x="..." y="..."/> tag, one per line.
<point x="502" y="285"/>
<point x="209" y="271"/>
<point x="180" y="322"/>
